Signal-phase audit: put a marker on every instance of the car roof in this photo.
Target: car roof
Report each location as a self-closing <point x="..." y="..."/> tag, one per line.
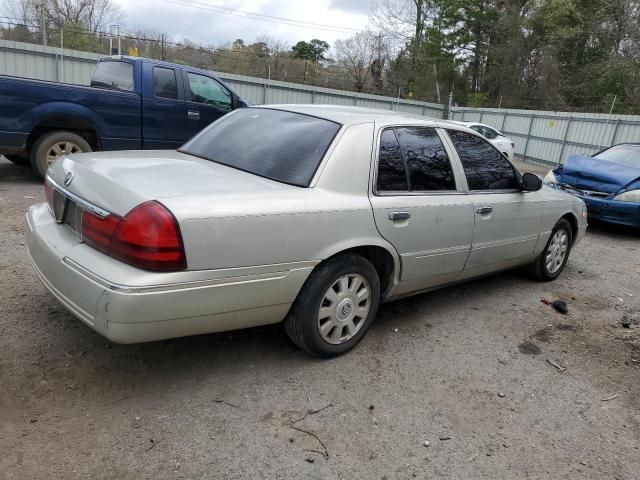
<point x="347" y="115"/>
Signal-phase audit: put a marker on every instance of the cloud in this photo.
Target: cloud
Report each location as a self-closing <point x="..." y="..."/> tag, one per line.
<point x="215" y="28"/>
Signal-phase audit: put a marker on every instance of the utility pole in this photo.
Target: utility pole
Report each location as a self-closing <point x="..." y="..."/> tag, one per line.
<point x="435" y="73"/>
<point x="43" y="16"/>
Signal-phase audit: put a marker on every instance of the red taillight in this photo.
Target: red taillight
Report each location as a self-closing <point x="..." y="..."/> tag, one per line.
<point x="97" y="231"/>
<point x="48" y="193"/>
<point x="148" y="237"/>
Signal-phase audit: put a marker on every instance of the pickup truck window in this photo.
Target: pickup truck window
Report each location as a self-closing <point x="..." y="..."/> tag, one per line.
<point x="113" y="75"/>
<point x="164" y="82"/>
<point x="207" y="90"/>
<point x="283" y="146"/>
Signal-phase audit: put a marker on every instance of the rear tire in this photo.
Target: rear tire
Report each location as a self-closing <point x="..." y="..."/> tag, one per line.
<point x="551" y="262"/>
<point x="53" y="145"/>
<point x="335" y="307"/>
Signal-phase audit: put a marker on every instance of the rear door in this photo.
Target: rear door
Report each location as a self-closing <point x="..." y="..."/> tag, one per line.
<point x="507" y="220"/>
<point x="164" y="119"/>
<point x="420" y="207"/>
<point x="207" y="100"/>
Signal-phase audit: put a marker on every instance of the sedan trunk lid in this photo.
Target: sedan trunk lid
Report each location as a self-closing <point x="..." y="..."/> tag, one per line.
<point x="119" y="181"/>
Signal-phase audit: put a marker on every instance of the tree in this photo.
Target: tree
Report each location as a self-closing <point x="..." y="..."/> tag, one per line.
<point x="313" y="51"/>
<point x="356" y="54"/>
<point x="93" y="15"/>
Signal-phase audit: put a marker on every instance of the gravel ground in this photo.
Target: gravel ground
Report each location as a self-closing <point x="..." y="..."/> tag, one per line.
<point x="468" y="371"/>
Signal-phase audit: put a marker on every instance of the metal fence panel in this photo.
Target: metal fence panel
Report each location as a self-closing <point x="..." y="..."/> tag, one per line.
<point x="550" y="137"/>
<point x="70" y="66"/>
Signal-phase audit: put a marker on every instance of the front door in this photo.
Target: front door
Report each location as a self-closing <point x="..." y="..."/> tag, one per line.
<point x="207" y="101"/>
<point x="507" y="220"/>
<point x="420" y="208"/>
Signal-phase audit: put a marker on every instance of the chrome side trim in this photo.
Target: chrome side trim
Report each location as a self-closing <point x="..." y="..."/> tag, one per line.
<point x="216" y="282"/>
<point x="505" y="241"/>
<point x="439" y="251"/>
<point x="101" y="212"/>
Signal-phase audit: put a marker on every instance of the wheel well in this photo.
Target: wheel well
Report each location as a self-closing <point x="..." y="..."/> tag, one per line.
<point x="79" y="127"/>
<point x="573" y="221"/>
<point x="380" y="258"/>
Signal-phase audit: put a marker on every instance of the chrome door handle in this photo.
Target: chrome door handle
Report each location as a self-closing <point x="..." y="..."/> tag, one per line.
<point x="193" y="115"/>
<point x="484" y="210"/>
<point x="397" y="216"/>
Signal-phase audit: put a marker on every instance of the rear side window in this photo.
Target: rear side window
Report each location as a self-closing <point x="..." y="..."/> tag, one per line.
<point x="283" y="146"/>
<point x="113" y="75"/>
<point x="392" y="172"/>
<point x="164" y="82"/>
<point x="484" y="166"/>
<point x="413" y="159"/>
<point x="427" y="162"/>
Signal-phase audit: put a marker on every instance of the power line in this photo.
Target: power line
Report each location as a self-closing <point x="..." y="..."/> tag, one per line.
<point x="263" y="17"/>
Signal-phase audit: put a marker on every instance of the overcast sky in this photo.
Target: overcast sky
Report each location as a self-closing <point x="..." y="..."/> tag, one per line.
<point x="209" y="27"/>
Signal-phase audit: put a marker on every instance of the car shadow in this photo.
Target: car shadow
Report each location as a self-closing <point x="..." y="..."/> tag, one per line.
<point x="9" y="171"/>
<point x="228" y="356"/>
<point x="613" y="230"/>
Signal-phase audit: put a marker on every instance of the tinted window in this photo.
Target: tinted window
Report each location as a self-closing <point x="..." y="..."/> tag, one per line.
<point x="392" y="175"/>
<point x="207" y="90"/>
<point x="113" y="75"/>
<point x="164" y="82"/>
<point x="279" y="145"/>
<point x="484" y="166"/>
<point x="628" y="155"/>
<point x="428" y="164"/>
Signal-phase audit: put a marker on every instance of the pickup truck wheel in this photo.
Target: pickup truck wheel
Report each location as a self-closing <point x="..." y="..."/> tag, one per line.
<point x="53" y="145"/>
<point x="335" y="307"/>
<point x="550" y="263"/>
<point x="17" y="159"/>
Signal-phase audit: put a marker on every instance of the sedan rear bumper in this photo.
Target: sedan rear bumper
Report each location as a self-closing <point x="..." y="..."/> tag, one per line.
<point x="145" y="310"/>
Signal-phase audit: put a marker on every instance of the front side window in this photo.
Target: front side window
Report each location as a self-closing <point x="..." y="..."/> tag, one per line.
<point x="484" y="166"/>
<point x="164" y="82"/>
<point x="114" y="76"/>
<point x="207" y="90"/>
<point x="427" y="162"/>
<point x="283" y="146"/>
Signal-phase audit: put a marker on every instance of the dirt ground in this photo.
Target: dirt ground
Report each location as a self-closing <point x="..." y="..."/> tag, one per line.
<point x="468" y="371"/>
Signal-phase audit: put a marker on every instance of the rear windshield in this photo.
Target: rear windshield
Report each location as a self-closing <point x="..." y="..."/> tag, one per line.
<point x="628" y="155"/>
<point x="113" y="75"/>
<point x="283" y="146"/>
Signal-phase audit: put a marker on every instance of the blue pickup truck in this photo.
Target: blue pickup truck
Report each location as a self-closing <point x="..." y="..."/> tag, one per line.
<point x="132" y="103"/>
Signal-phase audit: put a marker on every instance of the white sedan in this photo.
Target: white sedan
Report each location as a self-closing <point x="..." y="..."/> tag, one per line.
<point x="308" y="214"/>
<point x="495" y="137"/>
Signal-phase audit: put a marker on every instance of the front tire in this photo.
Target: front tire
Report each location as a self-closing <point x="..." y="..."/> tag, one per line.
<point x="335" y="307"/>
<point x="551" y="262"/>
<point x="53" y="145"/>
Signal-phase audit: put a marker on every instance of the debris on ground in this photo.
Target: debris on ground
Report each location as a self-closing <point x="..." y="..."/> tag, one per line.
<point x="426" y="443"/>
<point x="501" y="394"/>
<point x="555" y="364"/>
<point x="613" y="397"/>
<point x="445" y="438"/>
<point x="559" y="305"/>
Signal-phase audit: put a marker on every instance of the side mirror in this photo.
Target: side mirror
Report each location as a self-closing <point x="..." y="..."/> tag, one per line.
<point x="531" y="182"/>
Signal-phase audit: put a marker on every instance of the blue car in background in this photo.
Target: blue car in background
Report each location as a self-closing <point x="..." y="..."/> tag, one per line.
<point x="608" y="182"/>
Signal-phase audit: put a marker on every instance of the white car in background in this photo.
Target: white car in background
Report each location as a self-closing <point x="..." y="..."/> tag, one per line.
<point x="495" y="137"/>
